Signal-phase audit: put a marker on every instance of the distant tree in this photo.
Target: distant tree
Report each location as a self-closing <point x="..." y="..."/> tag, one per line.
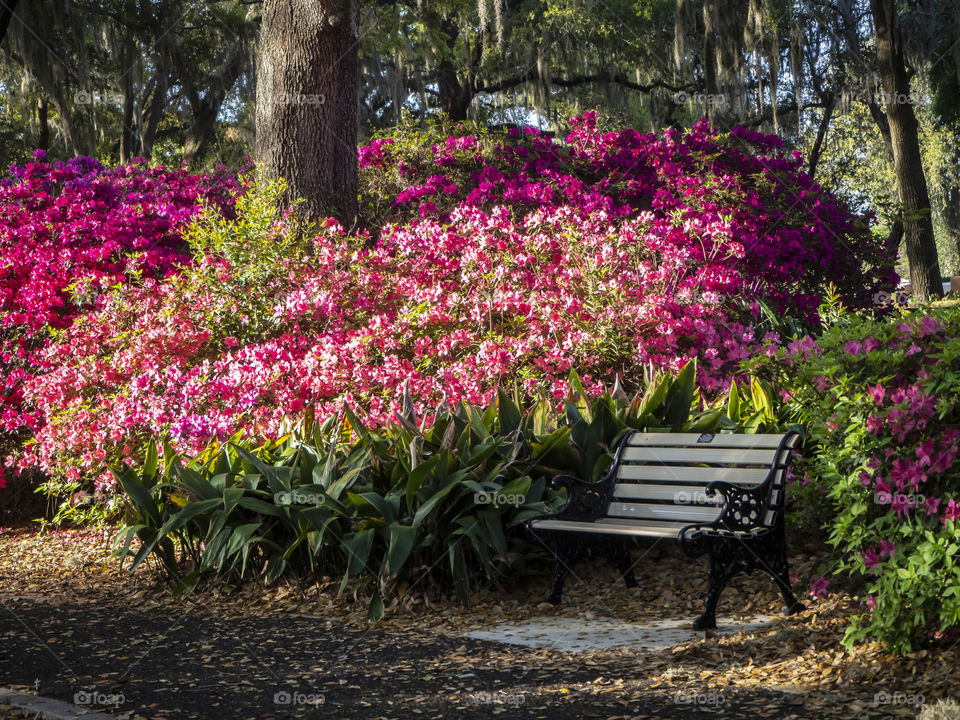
<point x="907" y="161"/>
<point x="112" y="78"/>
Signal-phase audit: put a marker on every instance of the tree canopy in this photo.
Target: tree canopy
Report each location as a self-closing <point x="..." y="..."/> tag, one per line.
<point x="174" y="81"/>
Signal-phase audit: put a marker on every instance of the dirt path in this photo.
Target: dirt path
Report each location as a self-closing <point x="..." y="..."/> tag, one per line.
<point x="158" y="663"/>
<point x="74" y="629"/>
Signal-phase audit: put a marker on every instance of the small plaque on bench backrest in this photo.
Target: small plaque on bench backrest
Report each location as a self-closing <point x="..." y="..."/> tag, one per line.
<point x="705" y="438"/>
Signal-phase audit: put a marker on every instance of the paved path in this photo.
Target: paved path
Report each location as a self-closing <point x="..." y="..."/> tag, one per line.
<point x="160" y="663"/>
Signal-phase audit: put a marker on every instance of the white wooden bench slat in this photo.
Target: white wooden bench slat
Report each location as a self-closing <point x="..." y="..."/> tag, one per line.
<point x="700" y="455"/>
<point x="645" y="511"/>
<point x="720" y="440"/>
<point x="681" y="494"/>
<point x="671" y="473"/>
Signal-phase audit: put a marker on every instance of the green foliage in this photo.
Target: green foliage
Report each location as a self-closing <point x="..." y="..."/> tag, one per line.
<point x="78" y="508"/>
<point x="439" y="501"/>
<point x="253" y="238"/>
<point x="880" y="400"/>
<point x="856" y="166"/>
<point x="70" y="72"/>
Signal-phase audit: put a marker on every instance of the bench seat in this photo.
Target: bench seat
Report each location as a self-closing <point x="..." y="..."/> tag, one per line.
<point x="615" y="526"/>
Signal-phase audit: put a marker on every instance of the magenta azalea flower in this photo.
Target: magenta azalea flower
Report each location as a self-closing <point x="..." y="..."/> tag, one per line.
<point x="924" y="451"/>
<point x="929" y="326"/>
<point x="901" y="505"/>
<point x="952" y="511"/>
<point x="819" y="586"/>
<point x="877" y="393"/>
<point x="882" y="490"/>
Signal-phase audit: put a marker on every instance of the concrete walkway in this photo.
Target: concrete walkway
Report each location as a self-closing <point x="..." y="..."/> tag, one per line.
<point x="579" y="635"/>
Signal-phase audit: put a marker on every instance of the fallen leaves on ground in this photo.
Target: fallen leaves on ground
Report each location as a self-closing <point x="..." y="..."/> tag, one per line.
<point x="799" y="658"/>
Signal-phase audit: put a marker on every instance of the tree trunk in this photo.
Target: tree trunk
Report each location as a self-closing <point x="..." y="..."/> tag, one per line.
<point x="710" y="23"/>
<point x="203" y="128"/>
<point x="951" y="216"/>
<point x="6" y="12"/>
<point x="907" y="163"/>
<point x="127" y="131"/>
<point x="307" y="103"/>
<point x="455" y="98"/>
<point x="43" y="126"/>
<point x="950" y="204"/>
<point x="158" y="103"/>
<point x="821" y="135"/>
<point x="72" y="137"/>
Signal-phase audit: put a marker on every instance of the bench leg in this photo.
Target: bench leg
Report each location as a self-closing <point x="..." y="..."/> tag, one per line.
<point x="780" y="572"/>
<point x="620" y="555"/>
<point x="778" y="569"/>
<point x="720" y="571"/>
<point x="565" y="554"/>
<point x="791" y="605"/>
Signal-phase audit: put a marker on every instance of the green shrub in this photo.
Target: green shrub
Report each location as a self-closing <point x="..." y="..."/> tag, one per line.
<point x="881" y="401"/>
<point x="441" y="499"/>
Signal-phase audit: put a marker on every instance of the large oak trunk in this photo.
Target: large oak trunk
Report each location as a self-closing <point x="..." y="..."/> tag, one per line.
<point x="307" y="103"/>
<point x="907" y="163"/>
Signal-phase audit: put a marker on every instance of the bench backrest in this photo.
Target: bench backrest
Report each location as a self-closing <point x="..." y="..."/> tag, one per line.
<point x="661" y="477"/>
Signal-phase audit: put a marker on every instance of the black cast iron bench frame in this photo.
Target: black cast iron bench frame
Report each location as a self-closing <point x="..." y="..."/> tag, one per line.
<point x="661" y="485"/>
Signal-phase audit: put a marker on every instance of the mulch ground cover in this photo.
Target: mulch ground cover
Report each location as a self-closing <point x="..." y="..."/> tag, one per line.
<point x="75" y="627"/>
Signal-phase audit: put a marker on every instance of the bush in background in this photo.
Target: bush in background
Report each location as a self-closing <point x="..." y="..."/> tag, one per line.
<point x="735" y="210"/>
<point x="68" y="231"/>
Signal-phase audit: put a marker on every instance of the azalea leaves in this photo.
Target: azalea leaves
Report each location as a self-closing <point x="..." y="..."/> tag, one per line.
<point x="878" y="396"/>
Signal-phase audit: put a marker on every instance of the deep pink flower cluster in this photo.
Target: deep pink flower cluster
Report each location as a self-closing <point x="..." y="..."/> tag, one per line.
<point x="735" y="203"/>
<point x="913" y="440"/>
<point x="916" y="457"/>
<point x="69" y="229"/>
<point x="906" y="411"/>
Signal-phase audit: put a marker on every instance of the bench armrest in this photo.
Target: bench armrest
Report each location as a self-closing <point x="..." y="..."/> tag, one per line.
<point x="743" y="508"/>
<point x="585" y="500"/>
<point x="725" y="487"/>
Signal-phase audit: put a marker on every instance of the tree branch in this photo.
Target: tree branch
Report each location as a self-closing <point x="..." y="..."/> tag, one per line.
<point x="604" y="76"/>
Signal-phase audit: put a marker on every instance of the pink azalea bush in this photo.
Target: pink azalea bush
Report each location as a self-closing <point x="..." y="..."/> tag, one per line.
<point x="738" y="206"/>
<point x="882" y="403"/>
<point x="68" y="229"/>
<point x="506" y="261"/>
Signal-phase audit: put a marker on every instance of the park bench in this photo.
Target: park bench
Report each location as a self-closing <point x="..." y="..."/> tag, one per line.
<point x="665" y="485"/>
